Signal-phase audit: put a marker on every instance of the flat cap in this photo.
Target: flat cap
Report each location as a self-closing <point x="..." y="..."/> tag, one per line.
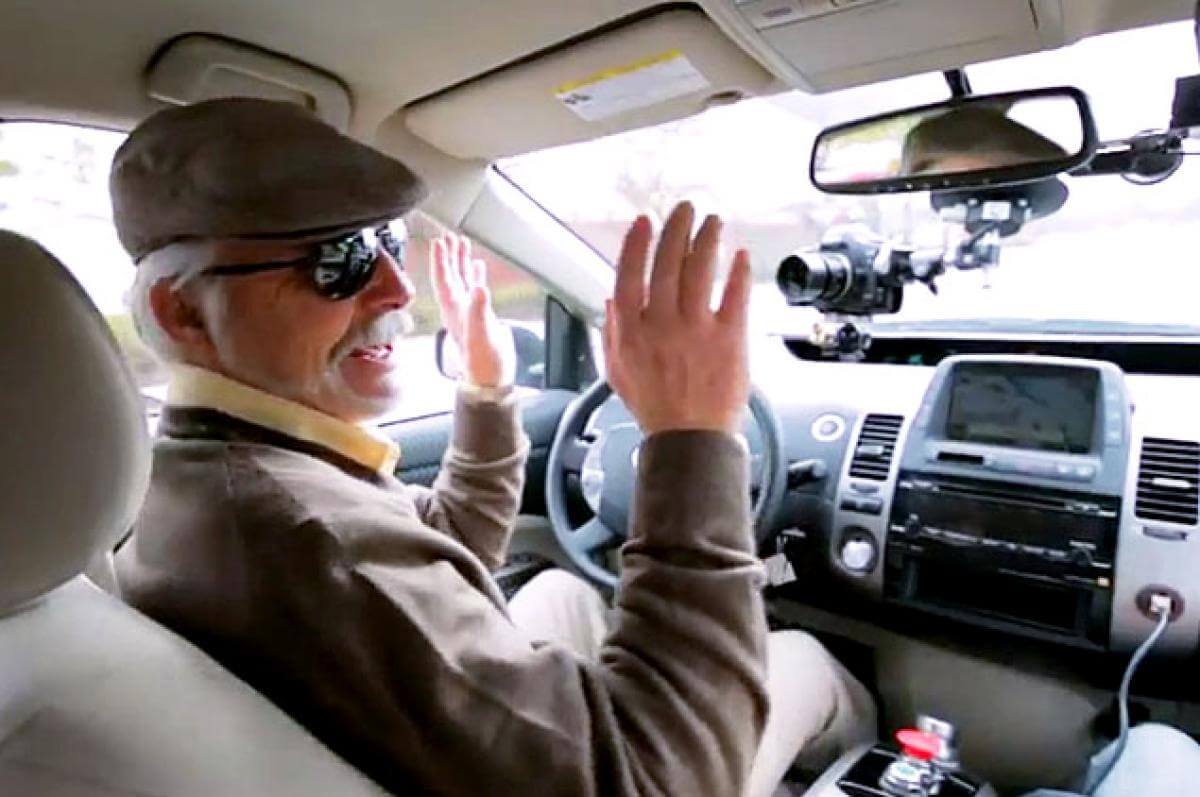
<point x="250" y="168"/>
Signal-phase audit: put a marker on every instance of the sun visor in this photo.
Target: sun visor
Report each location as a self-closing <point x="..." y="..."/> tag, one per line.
<point x="659" y="68"/>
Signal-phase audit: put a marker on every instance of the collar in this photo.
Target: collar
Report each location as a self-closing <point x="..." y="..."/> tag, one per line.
<point x="197" y="387"/>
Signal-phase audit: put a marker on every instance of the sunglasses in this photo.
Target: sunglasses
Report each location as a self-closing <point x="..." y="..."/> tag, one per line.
<point x="339" y="267"/>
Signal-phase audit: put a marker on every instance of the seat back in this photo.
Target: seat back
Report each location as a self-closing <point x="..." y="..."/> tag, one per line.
<point x="96" y="699"/>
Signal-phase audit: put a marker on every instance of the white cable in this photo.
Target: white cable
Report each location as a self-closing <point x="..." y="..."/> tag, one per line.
<point x="1164" y="617"/>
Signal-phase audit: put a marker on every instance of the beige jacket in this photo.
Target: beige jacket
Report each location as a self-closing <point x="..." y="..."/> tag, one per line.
<point x="277" y="540"/>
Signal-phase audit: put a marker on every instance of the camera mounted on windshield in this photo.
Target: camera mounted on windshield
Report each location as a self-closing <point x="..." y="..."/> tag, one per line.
<point x="990" y="164"/>
<point x="856" y="274"/>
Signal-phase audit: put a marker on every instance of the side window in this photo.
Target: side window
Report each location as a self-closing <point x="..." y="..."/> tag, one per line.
<point x="54" y="189"/>
<point x="518" y="298"/>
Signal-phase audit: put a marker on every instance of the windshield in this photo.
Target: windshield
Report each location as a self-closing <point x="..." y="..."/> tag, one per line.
<point x="1117" y="258"/>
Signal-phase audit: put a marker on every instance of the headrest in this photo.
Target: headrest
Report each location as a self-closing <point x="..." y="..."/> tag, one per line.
<point x="74" y="448"/>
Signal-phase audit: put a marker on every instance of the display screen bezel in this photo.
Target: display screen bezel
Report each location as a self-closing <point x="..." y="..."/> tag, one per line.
<point x="1018" y="443"/>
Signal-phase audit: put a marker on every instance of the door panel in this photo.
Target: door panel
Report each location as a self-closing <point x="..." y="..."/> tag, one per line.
<point x="423" y="442"/>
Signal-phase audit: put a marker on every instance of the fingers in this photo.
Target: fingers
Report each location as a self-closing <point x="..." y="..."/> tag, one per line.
<point x="480" y="304"/>
<point x="629" y="293"/>
<point x="465" y="260"/>
<point x="695" y="282"/>
<point x="443" y="282"/>
<point x="611" y="337"/>
<point x="456" y="273"/>
<point x="476" y="274"/>
<point x="673" y="249"/>
<point x="735" y="304"/>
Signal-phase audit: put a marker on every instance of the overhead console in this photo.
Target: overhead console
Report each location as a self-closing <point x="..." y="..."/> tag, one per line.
<point x="1012" y="500"/>
<point x="823" y="45"/>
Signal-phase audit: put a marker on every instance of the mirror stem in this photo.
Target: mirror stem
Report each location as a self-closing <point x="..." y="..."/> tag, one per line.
<point x="959" y="83"/>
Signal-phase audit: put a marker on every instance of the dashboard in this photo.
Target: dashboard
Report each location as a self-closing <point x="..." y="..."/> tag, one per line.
<point x="1044" y="497"/>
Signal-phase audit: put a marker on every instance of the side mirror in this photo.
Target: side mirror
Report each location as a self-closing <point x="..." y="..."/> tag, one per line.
<point x="529" y="346"/>
<point x="966" y="142"/>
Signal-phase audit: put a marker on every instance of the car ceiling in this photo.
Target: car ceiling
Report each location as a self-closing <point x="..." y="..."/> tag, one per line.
<point x="86" y="61"/>
<point x="85" y="58"/>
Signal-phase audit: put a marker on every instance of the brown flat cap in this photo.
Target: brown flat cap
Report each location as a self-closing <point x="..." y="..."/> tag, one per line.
<point x="249" y="168"/>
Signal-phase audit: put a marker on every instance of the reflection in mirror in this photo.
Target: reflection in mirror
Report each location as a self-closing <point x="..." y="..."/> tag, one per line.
<point x="996" y="139"/>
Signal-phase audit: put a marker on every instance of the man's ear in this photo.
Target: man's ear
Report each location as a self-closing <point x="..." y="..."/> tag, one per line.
<point x="180" y="318"/>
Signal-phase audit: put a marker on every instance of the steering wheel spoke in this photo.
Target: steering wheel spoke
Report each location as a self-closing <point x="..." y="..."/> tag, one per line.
<point x="611" y="457"/>
<point x="574" y="452"/>
<point x="594" y="537"/>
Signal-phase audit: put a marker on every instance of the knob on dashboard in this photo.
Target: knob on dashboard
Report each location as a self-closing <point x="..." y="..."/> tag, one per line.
<point x="857" y="551"/>
<point x="857" y="555"/>
<point x="913" y="527"/>
<point x="1081" y="557"/>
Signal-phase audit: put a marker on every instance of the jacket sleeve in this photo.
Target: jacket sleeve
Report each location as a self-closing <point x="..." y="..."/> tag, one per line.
<point x="410" y="668"/>
<point x="477" y="493"/>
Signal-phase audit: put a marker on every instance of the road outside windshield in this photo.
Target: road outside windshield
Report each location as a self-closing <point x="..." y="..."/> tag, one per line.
<point x="1117" y="258"/>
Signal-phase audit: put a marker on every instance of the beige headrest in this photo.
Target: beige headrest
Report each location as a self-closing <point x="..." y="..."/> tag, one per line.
<point x="74" y="448"/>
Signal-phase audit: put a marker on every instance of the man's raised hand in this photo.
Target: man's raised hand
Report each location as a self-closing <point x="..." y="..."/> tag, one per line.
<point x="675" y="362"/>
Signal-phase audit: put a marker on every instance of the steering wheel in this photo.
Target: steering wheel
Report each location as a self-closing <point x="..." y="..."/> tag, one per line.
<point x="597" y="446"/>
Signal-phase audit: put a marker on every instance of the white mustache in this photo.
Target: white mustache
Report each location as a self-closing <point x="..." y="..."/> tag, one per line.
<point x="381" y="331"/>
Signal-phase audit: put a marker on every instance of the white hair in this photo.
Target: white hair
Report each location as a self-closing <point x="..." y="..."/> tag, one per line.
<point x="179" y="263"/>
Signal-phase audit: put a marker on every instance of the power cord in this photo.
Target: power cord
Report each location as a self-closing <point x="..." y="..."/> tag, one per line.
<point x="1162" y="606"/>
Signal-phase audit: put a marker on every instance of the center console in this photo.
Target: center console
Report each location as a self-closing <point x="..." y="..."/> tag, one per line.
<point x="1000" y="503"/>
<point x="923" y="763"/>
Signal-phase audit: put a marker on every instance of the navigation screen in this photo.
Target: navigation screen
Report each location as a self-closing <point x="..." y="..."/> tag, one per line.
<point x="1044" y="407"/>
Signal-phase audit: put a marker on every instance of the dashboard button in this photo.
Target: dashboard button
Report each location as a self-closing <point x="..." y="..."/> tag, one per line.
<point x="1159" y="533"/>
<point x="828" y="428"/>
<point x="867" y="505"/>
<point x="764" y="14"/>
<point x="858" y="554"/>
<point x="864" y="488"/>
<point x="1114" y="436"/>
<point x="1085" y="471"/>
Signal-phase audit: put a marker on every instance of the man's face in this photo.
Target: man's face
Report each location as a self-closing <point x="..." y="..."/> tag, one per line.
<point x="274" y="331"/>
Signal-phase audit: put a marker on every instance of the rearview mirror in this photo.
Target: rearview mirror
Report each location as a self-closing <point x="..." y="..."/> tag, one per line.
<point x="529" y="347"/>
<point x="966" y="142"/>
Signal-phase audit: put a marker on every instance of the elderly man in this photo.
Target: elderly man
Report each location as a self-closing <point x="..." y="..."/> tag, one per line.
<point x="276" y="537"/>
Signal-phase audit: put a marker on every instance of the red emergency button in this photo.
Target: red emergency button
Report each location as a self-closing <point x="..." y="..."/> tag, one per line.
<point x="917" y="744"/>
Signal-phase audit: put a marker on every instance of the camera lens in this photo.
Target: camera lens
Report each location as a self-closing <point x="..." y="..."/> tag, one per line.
<point x="813" y="277"/>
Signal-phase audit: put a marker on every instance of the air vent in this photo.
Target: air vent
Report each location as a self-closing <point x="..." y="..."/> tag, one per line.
<point x="1168" y="486"/>
<point x="876" y="446"/>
